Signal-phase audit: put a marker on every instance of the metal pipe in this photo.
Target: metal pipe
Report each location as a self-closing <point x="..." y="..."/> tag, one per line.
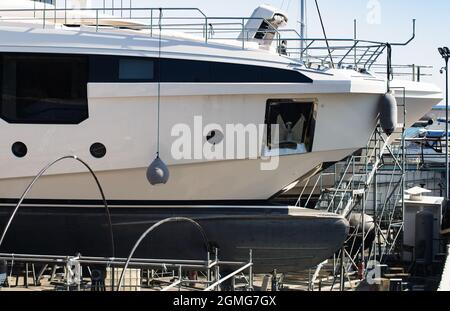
<point x="243" y="33"/>
<point x="180" y="277"/>
<point x="151" y="229"/>
<point x="173" y="285"/>
<point x="447" y="164"/>
<point x="22" y="257"/>
<point x="206" y="30"/>
<point x="354" y="37"/>
<point x="363" y="243"/>
<point x="325" y="35"/>
<point x="54" y="14"/>
<point x="208" y="271"/>
<point x="375" y="192"/>
<point x="247" y="266"/>
<point x="342" y="278"/>
<point x="302" y="28"/>
<point x="151" y="22"/>
<point x="45" y="6"/>
<point x="40" y="174"/>
<point x="107" y="262"/>
<point x="250" y="270"/>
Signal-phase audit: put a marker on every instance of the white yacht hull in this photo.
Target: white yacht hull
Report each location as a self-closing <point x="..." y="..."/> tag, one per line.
<point x="127" y="127"/>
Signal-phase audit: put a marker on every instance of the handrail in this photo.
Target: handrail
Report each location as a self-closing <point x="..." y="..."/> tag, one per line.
<point x="415" y="72"/>
<point x="98" y="18"/>
<point x="355" y="53"/>
<point x="248" y="266"/>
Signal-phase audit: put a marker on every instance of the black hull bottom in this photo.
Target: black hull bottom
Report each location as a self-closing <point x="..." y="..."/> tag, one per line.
<point x="278" y="240"/>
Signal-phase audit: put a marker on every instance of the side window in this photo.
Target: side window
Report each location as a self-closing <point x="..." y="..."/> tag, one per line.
<point x="135" y="69"/>
<point x="117" y="69"/>
<point x="126" y="69"/>
<point x="43" y="89"/>
<point x="291" y="125"/>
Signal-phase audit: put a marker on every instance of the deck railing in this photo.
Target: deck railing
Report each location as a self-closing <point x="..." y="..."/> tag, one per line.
<point x="316" y="52"/>
<point x="410" y="72"/>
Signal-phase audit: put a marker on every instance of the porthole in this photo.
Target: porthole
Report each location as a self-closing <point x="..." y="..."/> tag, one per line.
<point x="98" y="150"/>
<point x="19" y="149"/>
<point x="215" y="137"/>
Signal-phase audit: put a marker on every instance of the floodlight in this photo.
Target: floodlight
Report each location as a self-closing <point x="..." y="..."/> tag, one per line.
<point x="447" y="51"/>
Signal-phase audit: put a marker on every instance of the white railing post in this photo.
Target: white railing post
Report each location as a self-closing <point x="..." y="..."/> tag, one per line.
<point x="45" y="6"/>
<point x="243" y="34"/>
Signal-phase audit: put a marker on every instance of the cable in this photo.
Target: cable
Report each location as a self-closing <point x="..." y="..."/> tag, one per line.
<point x="325" y="35"/>
<point x="305" y="53"/>
<point x="389" y="72"/>
<point x="159" y="80"/>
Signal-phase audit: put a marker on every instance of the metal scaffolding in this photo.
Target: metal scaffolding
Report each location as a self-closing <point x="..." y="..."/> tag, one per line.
<point x="376" y="221"/>
<point x="161" y="274"/>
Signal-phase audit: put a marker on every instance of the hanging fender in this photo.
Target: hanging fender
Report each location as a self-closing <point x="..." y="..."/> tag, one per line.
<point x="158" y="172"/>
<point x="388" y="113"/>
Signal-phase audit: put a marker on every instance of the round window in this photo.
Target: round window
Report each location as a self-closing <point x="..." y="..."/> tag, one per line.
<point x="98" y="150"/>
<point x="19" y="149"/>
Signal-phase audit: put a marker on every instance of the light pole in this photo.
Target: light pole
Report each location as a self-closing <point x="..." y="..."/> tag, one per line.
<point x="445" y="53"/>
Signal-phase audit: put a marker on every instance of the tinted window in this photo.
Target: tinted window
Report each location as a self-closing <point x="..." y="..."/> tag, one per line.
<point x="136" y="69"/>
<point x="112" y="69"/>
<point x="179" y="70"/>
<point x="217" y="72"/>
<point x="48" y="89"/>
<point x="103" y="69"/>
<point x="222" y="72"/>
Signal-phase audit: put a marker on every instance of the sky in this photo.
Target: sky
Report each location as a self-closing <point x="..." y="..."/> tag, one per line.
<point x="380" y="20"/>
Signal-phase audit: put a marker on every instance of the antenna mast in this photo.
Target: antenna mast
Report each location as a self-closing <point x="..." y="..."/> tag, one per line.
<point x="302" y="27"/>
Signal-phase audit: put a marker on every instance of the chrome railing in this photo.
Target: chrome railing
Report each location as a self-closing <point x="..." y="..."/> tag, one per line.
<point x="411" y="72"/>
<point x="316" y="52"/>
<point x="149" y="20"/>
